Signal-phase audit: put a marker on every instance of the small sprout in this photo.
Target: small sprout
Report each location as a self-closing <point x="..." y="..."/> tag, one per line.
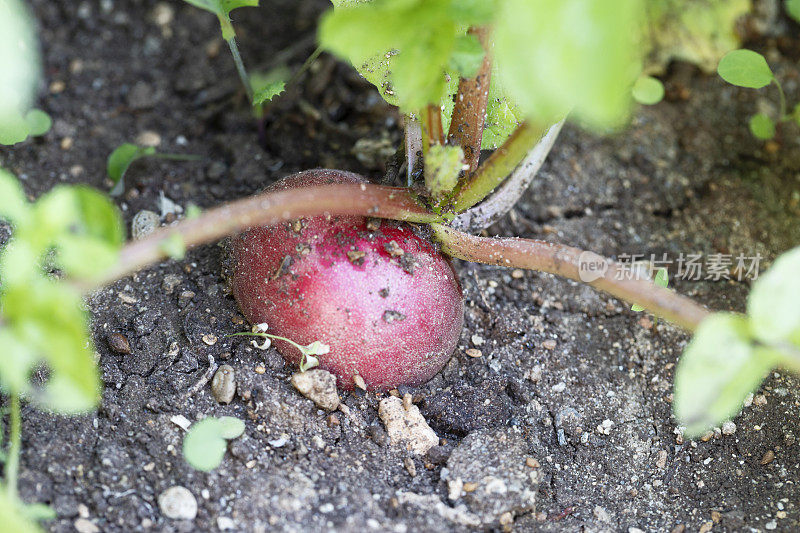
<point x="125" y="154"/>
<point x="206" y="441"/>
<point x="745" y="68"/>
<point x="174" y="246"/>
<point x="648" y="90"/>
<point x="268" y="92"/>
<point x="762" y="127"/>
<point x="661" y="280"/>
<point x="309" y="352"/>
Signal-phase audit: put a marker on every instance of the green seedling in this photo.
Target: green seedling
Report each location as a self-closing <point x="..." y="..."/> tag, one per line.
<point x="648" y="90"/>
<point x="206" y="441"/>
<point x="124" y="156"/>
<point x="746" y="68"/>
<point x="309" y="352"/>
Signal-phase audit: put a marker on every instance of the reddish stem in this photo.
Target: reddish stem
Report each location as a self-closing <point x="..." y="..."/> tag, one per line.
<point x="616" y="279"/>
<point x="469" y="112"/>
<point x="271" y="208"/>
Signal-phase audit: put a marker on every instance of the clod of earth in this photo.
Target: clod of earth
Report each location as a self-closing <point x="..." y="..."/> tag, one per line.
<point x="391" y="318"/>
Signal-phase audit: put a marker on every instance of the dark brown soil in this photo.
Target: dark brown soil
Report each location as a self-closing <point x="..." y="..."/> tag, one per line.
<point x="686" y="178"/>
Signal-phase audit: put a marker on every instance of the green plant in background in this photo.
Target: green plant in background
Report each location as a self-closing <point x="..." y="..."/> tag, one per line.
<point x="206" y="441"/>
<point x="125" y="154"/>
<point x="746" y="68"/>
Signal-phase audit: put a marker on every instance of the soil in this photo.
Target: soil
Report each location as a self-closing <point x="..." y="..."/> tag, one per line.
<point x="571" y="385"/>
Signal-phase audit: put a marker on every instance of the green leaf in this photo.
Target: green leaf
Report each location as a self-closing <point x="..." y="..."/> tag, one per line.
<point x="648" y="90"/>
<point x="401" y="46"/>
<point x="19" y="69"/>
<point x="442" y="167"/>
<point x="83" y="225"/>
<point x="38" y="122"/>
<point x="694" y="31"/>
<point x="174" y="246"/>
<point x="121" y="158"/>
<point x="560" y="55"/>
<point x="13" y="127"/>
<point x="661" y="280"/>
<point x="717" y="371"/>
<point x="268" y="92"/>
<point x="745" y="68"/>
<point x="467" y="56"/>
<point x="773" y="302"/>
<point x="205" y="443"/>
<point x="793" y="9"/>
<point x="16" y="363"/>
<point x="49" y="318"/>
<point x="230" y="427"/>
<point x="762" y="127"/>
<point x="13" y="516"/>
<point x="13" y="204"/>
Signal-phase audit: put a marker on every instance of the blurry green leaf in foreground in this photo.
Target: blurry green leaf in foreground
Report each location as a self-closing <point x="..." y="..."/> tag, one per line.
<point x="761" y="126"/>
<point x="560" y="55"/>
<point x="745" y="68"/>
<point x="404" y="47"/>
<point x="697" y="31"/>
<point x="773" y="304"/>
<point x="19" y="62"/>
<point x="717" y="371"/>
<point x="206" y="441"/>
<point x="793" y="9"/>
<point x="648" y="90"/>
<point x="15" y="521"/>
<point x="38" y="122"/>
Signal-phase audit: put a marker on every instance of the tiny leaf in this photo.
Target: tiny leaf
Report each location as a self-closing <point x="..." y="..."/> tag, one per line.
<point x="38" y="122"/>
<point x="745" y="68"/>
<point x="762" y="127"/>
<point x="648" y="90"/>
<point x="268" y="92"/>
<point x="772" y="304"/>
<point x="717" y="371"/>
<point x="13" y="205"/>
<point x="205" y="443"/>
<point x="122" y="157"/>
<point x="661" y="280"/>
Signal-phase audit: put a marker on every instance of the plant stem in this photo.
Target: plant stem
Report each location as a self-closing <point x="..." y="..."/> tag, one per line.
<point x="566" y="261"/>
<point x="269" y="208"/>
<point x="499" y="165"/>
<point x="432" y="125"/>
<point x="305" y="66"/>
<point x="507" y="194"/>
<point x="237" y="59"/>
<point x="15" y="441"/>
<point x="177" y="157"/>
<point x="782" y="95"/>
<point x="469" y="112"/>
<point x="413" y="139"/>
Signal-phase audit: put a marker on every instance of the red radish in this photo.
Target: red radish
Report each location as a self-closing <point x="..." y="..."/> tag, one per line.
<point x="387" y="303"/>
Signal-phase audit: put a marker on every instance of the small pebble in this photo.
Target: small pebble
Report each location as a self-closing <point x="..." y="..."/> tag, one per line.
<point x="83" y="525"/>
<point x="477" y="340"/>
<point x="210" y="339"/>
<point x="66" y="143"/>
<point x="728" y="428"/>
<point x="225" y="523"/>
<point x="260" y="369"/>
<point x="119" y="343"/>
<point x="178" y="503"/>
<point x="661" y="461"/>
<point x="148" y="138"/>
<point x="359" y="382"/>
<point x="768" y="457"/>
<point x="470" y="486"/>
<point x="223" y="386"/>
<point x="532" y="463"/>
<point x="517" y="273"/>
<point x="319" y="386"/>
<point x="408" y="462"/>
<point x="706" y="527"/>
<point x="549" y="344"/>
<point x="474" y="352"/>
<point x="760" y="400"/>
<point x="144" y="223"/>
<point x="772" y="524"/>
